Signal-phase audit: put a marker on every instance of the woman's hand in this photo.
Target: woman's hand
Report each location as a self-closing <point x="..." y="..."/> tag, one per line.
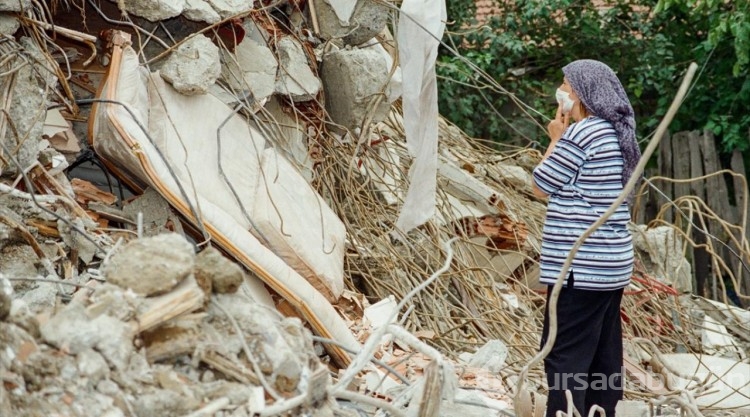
<point x="558" y="125"/>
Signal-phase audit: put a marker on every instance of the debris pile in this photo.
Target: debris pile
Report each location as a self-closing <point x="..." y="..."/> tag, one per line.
<point x="197" y="212"/>
<point x="136" y="344"/>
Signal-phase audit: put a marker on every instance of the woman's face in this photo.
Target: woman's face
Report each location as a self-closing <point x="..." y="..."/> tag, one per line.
<point x="576" y="111"/>
<point x="568" y="89"/>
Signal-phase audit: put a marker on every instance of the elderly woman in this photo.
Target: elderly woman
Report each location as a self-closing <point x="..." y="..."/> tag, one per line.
<point x="583" y="171"/>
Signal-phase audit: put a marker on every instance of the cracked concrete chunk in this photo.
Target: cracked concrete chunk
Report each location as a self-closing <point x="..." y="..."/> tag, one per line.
<point x="41" y="298"/>
<point x="92" y="365"/>
<point x="368" y="19"/>
<point x="491" y="356"/>
<point x="152" y="265"/>
<point x="86" y="249"/>
<point x="660" y="251"/>
<point x="8" y="24"/>
<point x="161" y="402"/>
<point x="14" y="5"/>
<point x="514" y="174"/>
<point x="252" y="67"/>
<point x="154" y="10"/>
<point x="200" y="11"/>
<point x="228" y="8"/>
<point x="158" y="218"/>
<point x="352" y="79"/>
<point x="193" y="66"/>
<point x="295" y="79"/>
<point x="275" y="355"/>
<point x="225" y="276"/>
<point x="73" y="331"/>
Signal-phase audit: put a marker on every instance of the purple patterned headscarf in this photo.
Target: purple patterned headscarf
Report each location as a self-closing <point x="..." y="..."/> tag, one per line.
<point x="603" y="96"/>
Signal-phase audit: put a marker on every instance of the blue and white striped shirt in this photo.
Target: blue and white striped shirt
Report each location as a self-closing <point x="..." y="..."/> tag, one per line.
<point x="583" y="176"/>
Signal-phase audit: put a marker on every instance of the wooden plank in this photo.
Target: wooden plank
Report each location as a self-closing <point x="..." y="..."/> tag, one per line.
<point x="87" y="192"/>
<point x="664" y="163"/>
<point x="740" y="192"/>
<point x="740" y="199"/>
<point x="185" y="298"/>
<point x="718" y="198"/>
<point x="681" y="163"/>
<point x="646" y="209"/>
<point x="698" y="188"/>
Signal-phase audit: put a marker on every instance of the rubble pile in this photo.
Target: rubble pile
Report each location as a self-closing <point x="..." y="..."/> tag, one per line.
<point x="165" y="332"/>
<point x="197" y="210"/>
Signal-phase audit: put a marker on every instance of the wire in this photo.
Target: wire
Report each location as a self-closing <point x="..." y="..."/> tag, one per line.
<point x="31" y="188"/>
<point x="376" y="361"/>
<point x="701" y="229"/>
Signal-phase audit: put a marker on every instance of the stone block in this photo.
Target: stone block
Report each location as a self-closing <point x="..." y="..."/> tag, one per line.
<point x="152" y="265"/>
<point x="193" y="66"/>
<point x="352" y="78"/>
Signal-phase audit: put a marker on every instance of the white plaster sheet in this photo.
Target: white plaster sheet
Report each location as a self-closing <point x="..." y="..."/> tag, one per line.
<point x="420" y="28"/>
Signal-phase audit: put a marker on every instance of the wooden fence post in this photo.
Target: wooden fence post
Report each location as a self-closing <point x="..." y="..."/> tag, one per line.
<point x="664" y="165"/>
<point x="740" y="199"/>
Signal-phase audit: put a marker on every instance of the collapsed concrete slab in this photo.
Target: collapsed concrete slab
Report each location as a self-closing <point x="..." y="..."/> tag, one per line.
<point x="368" y="18"/>
<point x="353" y="79"/>
<point x="729" y="379"/>
<point x="287" y="131"/>
<point x="295" y="78"/>
<point x="465" y="186"/>
<point x="215" y="188"/>
<point x="292" y="218"/>
<point x="193" y="66"/>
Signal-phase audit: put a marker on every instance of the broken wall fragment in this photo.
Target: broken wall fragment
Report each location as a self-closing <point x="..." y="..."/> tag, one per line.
<point x="353" y="80"/>
<point x="26" y="104"/>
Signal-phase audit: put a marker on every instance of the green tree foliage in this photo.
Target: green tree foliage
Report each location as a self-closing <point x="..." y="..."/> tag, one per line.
<point x="649" y="43"/>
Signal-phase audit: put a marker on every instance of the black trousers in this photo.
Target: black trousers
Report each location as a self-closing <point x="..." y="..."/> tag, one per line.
<point x="587" y="355"/>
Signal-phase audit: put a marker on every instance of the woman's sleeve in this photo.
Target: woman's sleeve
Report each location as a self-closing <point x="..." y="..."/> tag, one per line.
<point x="560" y="166"/>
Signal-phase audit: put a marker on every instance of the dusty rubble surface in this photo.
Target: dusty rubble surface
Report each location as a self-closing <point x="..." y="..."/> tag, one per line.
<point x="129" y="291"/>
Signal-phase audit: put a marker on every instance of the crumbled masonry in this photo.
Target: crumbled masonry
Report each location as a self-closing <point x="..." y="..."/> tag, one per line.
<point x="196" y="206"/>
